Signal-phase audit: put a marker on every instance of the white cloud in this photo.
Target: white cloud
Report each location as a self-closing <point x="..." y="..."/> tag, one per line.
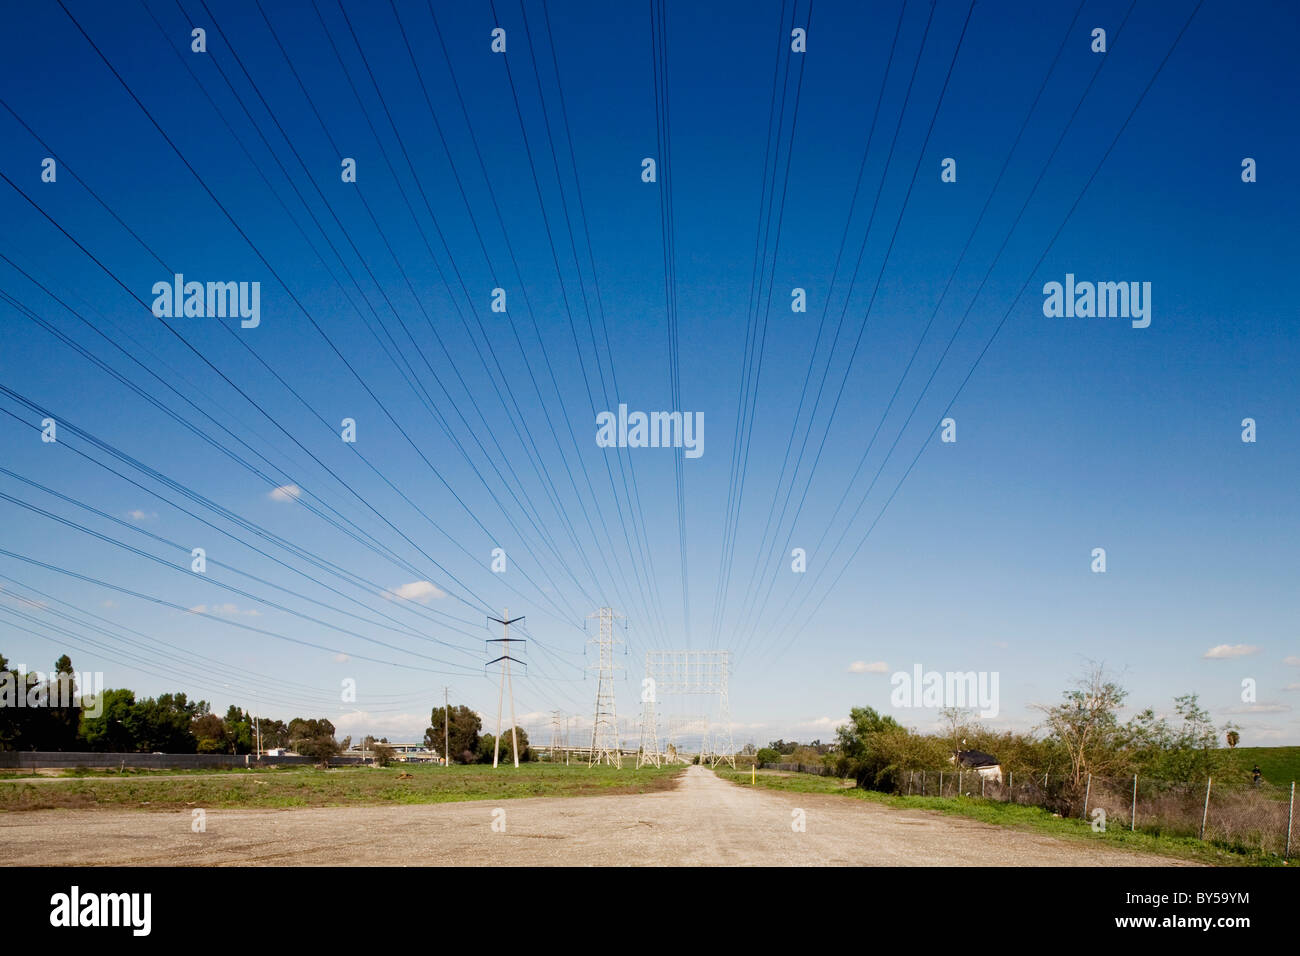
<point x="285" y="493"/>
<point x="416" y="591"/>
<point x="1291" y="661"/>
<point x="1259" y="709"/>
<point x="137" y="515"/>
<point x="1226" y="651"/>
<point x="341" y="658"/>
<point x="862" y="667"/>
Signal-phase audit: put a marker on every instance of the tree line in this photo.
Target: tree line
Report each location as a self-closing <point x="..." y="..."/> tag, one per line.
<point x="1081" y="734"/>
<point x="39" y="712"/>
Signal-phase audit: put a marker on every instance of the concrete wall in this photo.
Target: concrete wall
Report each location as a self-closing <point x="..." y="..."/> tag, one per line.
<point x="44" y="760"/>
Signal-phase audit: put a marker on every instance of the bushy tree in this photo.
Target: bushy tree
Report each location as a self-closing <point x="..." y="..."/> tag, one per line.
<point x="768" y="755"/>
<point x="465" y="728"/>
<point x="859" y="753"/>
<point x="1086" y="723"/>
<point x="507" y="744"/>
<point x="313" y="738"/>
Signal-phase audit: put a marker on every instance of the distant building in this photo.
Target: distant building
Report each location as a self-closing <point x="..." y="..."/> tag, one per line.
<point x="402" y="752"/>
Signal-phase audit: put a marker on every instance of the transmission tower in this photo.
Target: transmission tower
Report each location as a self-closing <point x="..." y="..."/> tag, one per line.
<point x="555" y="733"/>
<point x="724" y="748"/>
<point x="648" y="753"/>
<point x="505" y="641"/>
<point x="697" y="672"/>
<point x="605" y="744"/>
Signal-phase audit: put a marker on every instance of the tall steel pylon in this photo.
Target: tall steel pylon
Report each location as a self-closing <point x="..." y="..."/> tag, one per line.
<point x="724" y="748"/>
<point x="648" y="752"/>
<point x="605" y="745"/>
<point x="555" y="733"/>
<point x="697" y="672"/>
<point x="505" y="641"/>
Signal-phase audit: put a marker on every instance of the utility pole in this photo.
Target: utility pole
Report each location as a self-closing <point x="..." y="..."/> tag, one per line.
<point x="505" y="640"/>
<point x="446" y="730"/>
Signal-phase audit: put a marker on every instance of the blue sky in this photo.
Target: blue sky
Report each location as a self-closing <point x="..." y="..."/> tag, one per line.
<point x="1073" y="433"/>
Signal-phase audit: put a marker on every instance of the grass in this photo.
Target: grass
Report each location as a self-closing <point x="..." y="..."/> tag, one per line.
<point x="313" y="787"/>
<point x="1020" y="817"/>
<point x="1280" y="765"/>
<point x="116" y="772"/>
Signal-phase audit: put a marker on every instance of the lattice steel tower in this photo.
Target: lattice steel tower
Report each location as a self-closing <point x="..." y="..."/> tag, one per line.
<point x="605" y="744"/>
<point x="648" y="753"/>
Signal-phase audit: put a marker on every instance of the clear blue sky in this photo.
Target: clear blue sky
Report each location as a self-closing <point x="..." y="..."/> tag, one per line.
<point x="1073" y="433"/>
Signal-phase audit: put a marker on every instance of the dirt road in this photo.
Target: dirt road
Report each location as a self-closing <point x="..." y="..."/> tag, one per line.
<point x="706" y="821"/>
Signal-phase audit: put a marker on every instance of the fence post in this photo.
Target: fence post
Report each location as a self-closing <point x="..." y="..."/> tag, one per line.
<point x="1133" y="814"/>
<point x="1290" y="815"/>
<point x="959" y="783"/>
<point x="941" y="783"/>
<point x="923" y="783"/>
<point x="910" y="775"/>
<point x="1086" y="794"/>
<point x="1011" y="786"/>
<point x="1206" y="813"/>
<point x="982" y="782"/>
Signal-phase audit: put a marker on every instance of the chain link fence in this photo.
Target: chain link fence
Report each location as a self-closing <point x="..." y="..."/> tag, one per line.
<point x="1248" y="815"/>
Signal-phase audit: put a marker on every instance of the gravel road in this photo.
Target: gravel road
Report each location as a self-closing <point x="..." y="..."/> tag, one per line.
<point x="705" y="821"/>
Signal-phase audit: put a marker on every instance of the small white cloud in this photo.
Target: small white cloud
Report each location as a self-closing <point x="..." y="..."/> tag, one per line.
<point x="416" y="591"/>
<point x="1259" y="709"/>
<point x="341" y="658"/>
<point x="863" y="667"/>
<point x="1291" y="661"/>
<point x="285" y="493"/>
<point x="137" y="515"/>
<point x="1226" y="651"/>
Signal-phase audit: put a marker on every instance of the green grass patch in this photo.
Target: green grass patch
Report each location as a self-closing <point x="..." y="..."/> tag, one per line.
<point x="1280" y="765"/>
<point x="313" y="787"/>
<point x="1019" y="817"/>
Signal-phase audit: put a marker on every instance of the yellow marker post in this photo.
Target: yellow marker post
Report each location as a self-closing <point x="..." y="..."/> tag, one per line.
<point x="753" y="774"/>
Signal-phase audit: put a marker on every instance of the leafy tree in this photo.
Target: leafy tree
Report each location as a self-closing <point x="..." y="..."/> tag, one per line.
<point x="1086" y="722"/>
<point x="856" y="756"/>
<point x="163" y="723"/>
<point x="314" y="738"/>
<point x="239" y="730"/>
<point x="507" y="744"/>
<point x="275" y="733"/>
<point x="117" y="727"/>
<point x="768" y="755"/>
<point x="210" y="734"/>
<point x="1233" y="738"/>
<point x="465" y="728"/>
